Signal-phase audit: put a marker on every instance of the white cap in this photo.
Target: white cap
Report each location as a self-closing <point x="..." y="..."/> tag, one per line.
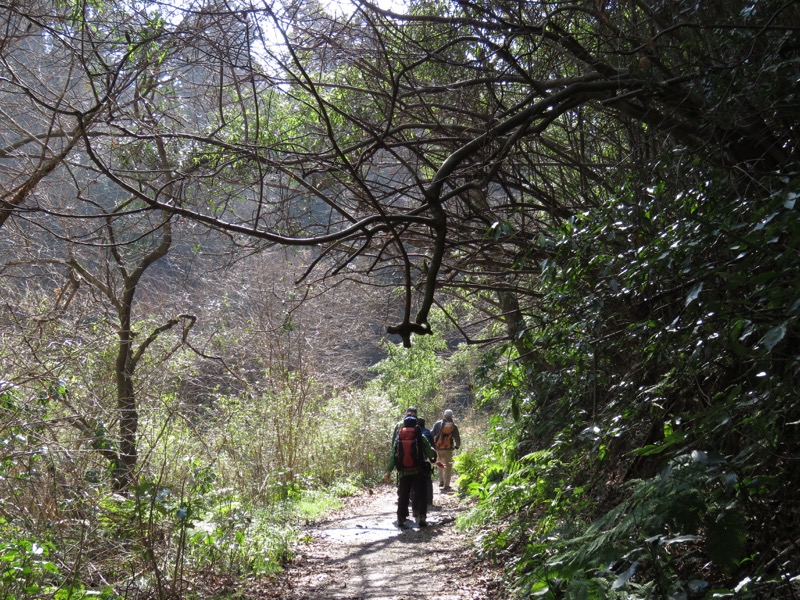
<point x="448" y="414"/>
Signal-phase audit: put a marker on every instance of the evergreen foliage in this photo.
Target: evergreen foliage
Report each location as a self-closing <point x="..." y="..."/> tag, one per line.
<point x="657" y="454"/>
<point x="600" y="196"/>
<point x="652" y="425"/>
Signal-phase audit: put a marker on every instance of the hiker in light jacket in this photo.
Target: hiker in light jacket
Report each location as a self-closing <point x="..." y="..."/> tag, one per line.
<point x="411" y="477"/>
<point x="446" y="439"/>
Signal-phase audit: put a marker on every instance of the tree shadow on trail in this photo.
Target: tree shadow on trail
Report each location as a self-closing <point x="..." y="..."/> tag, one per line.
<point x="360" y="553"/>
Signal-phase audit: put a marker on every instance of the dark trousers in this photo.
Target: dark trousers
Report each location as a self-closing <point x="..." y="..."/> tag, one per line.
<point x="427" y="469"/>
<point x="429" y="483"/>
<point x="404" y="487"/>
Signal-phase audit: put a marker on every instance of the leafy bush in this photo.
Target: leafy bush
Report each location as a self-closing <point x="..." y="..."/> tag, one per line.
<point x="650" y="451"/>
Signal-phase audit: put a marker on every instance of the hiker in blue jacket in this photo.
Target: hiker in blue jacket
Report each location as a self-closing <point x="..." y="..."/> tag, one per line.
<point x="410" y="443"/>
<point x="427" y="467"/>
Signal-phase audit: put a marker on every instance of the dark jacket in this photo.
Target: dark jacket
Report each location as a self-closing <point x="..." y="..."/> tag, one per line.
<point x="427" y="433"/>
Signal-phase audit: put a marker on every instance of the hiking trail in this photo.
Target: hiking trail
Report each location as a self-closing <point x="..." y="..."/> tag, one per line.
<point x="358" y="553"/>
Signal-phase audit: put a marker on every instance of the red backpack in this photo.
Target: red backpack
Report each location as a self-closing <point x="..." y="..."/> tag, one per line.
<point x="407" y="451"/>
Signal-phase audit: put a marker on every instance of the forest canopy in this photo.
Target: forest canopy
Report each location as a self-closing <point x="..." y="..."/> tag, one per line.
<point x="579" y="220"/>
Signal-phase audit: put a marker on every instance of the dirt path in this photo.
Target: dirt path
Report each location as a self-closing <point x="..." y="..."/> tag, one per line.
<point x="359" y="554"/>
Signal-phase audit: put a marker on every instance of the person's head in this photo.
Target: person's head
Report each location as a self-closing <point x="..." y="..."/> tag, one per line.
<point x="420" y="422"/>
<point x="448" y="415"/>
<point x="411" y="410"/>
<point x="410" y="421"/>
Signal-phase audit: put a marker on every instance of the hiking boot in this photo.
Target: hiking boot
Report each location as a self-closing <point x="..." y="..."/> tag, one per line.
<point x="423" y="522"/>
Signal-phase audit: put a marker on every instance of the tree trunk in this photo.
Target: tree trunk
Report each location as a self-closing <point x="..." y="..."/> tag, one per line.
<point x="126" y="401"/>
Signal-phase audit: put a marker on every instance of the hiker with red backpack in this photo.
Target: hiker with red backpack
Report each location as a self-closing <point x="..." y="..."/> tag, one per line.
<point x="410" y="450"/>
<point x="446" y="439"/>
<point x="411" y="411"/>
